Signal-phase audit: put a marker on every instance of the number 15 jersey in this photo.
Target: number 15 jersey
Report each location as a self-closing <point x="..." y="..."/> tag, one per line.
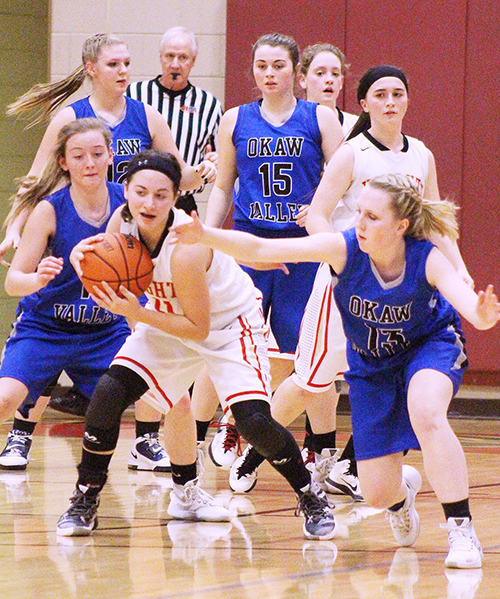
<point x="279" y="168"/>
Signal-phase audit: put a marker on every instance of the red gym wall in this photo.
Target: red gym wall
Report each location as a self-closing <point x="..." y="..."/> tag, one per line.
<point x="449" y="52"/>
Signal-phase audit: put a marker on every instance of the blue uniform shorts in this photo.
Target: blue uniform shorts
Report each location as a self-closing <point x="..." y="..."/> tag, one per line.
<point x="285" y="296"/>
<point x="34" y="355"/>
<point x="378" y="392"/>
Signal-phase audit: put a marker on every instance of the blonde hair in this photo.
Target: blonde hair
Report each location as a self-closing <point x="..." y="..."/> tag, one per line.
<point x="425" y="216"/>
<point x="310" y="52"/>
<point x="35" y="189"/>
<point x="43" y="99"/>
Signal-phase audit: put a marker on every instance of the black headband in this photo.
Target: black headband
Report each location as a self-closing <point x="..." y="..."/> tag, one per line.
<point x="376" y="73"/>
<point x="155" y="161"/>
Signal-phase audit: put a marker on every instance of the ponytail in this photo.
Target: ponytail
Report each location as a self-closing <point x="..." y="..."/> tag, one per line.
<point x="424" y="216"/>
<point x="43" y="99"/>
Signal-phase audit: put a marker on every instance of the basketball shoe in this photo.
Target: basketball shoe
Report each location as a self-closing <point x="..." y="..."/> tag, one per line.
<point x="465" y="548"/>
<point x="225" y="446"/>
<point x="191" y="502"/>
<point x="148" y="454"/>
<point x="243" y="473"/>
<point x="80" y="519"/>
<point x="319" y="520"/>
<point x="405" y="523"/>
<point x="15" y="455"/>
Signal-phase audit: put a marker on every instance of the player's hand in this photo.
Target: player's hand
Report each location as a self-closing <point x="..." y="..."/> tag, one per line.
<point x="302" y="215"/>
<point x="207" y="171"/>
<point x="188" y="233"/>
<point x="11" y="241"/>
<point x="48" y="269"/>
<point x="125" y="304"/>
<point x="488" y="307"/>
<point x="78" y="252"/>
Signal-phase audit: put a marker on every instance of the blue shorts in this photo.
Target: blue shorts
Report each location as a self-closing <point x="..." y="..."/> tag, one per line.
<point x="34" y="355"/>
<point x="378" y="392"/>
<point x="285" y="296"/>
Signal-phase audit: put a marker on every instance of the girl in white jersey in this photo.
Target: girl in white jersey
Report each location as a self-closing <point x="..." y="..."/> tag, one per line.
<point x="376" y="146"/>
<point x="202" y="311"/>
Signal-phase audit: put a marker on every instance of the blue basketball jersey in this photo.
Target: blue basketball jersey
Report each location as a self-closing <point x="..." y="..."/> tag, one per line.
<point x="130" y="135"/>
<point x="64" y="304"/>
<point x="380" y="319"/>
<point x="279" y="169"/>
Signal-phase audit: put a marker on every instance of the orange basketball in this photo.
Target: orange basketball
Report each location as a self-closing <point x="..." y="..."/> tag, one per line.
<point x="119" y="260"/>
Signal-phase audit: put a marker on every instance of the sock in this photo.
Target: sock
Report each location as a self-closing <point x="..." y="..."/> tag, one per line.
<point x="201" y="429"/>
<point x="348" y="454"/>
<point x="24" y="426"/>
<point x="93" y="471"/>
<point x="457" y="509"/>
<point x="323" y="441"/>
<point x="183" y="474"/>
<point x="309" y="432"/>
<point x="143" y="428"/>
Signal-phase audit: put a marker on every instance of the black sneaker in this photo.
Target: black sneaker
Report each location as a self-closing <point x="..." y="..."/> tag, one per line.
<point x="72" y="402"/>
<point x="80" y="519"/>
<point x="15" y="455"/>
<point x="319" y="519"/>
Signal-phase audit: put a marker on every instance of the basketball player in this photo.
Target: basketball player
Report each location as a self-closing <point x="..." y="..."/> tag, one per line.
<point x="135" y="127"/>
<point x="397" y="294"/>
<point x="376" y="146"/>
<point x="202" y="310"/>
<point x="275" y="148"/>
<point x="57" y="319"/>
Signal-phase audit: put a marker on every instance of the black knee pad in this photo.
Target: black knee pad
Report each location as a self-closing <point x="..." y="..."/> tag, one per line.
<point x="115" y="391"/>
<point x="98" y="439"/>
<point x="254" y="422"/>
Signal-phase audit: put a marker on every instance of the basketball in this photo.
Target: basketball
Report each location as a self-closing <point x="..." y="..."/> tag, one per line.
<point x="118" y="260"/>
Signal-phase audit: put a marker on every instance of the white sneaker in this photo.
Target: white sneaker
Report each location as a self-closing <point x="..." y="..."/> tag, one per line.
<point x="148" y="454"/>
<point x="322" y="465"/>
<point x="465" y="548"/>
<point x="191" y="502"/>
<point x="242" y="478"/>
<point x="463" y="584"/>
<point x="340" y="481"/>
<point x="405" y="523"/>
<point x="225" y="446"/>
<point x="15" y="454"/>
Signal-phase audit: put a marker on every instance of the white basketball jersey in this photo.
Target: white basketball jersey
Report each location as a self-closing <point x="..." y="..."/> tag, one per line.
<point x="230" y="288"/>
<point x="372" y="159"/>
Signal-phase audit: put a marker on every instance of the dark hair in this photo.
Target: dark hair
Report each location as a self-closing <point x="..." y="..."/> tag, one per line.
<point x="367" y="80"/>
<point x="278" y="39"/>
<point x="153" y="160"/>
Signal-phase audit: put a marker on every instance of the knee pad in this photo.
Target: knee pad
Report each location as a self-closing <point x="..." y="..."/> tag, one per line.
<point x="115" y="391"/>
<point x="255" y="423"/>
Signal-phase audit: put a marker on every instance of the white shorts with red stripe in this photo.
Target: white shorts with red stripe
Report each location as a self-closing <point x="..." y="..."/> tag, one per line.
<point x="236" y="358"/>
<point x="321" y="351"/>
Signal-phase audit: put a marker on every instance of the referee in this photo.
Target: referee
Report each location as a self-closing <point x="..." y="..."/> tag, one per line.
<point x="192" y="113"/>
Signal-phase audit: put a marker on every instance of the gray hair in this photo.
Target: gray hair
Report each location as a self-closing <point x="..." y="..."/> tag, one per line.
<point x="175" y="31"/>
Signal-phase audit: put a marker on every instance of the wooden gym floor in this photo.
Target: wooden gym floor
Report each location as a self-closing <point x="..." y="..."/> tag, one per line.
<point x="139" y="553"/>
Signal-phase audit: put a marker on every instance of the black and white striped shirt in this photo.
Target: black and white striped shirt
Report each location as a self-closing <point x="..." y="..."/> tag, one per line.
<point x="192" y="114"/>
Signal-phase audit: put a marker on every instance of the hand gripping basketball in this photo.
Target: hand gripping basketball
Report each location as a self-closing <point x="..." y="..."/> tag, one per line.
<point x="118" y="260"/>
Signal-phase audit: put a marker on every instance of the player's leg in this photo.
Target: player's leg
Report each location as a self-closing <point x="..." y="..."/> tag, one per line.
<point x="147" y="452"/>
<point x="429" y="395"/>
<point x="241" y="376"/>
<point x="390" y="485"/>
<point x="115" y="391"/>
